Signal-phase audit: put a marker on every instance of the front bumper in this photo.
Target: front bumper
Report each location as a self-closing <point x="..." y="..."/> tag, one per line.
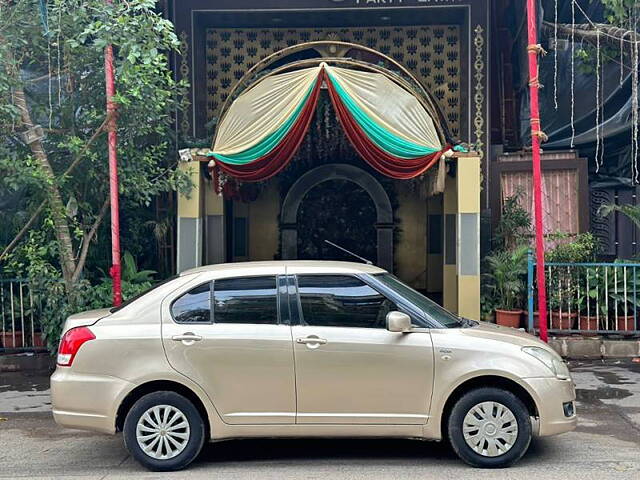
<point x="86" y="402"/>
<point x="552" y="396"/>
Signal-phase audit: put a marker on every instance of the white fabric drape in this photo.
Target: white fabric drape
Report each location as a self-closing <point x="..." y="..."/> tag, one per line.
<point x="259" y="111"/>
<point x="389" y="105"/>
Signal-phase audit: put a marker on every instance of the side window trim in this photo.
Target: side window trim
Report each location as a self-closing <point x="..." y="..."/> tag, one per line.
<point x="210" y="322"/>
<point x="295" y="306"/>
<point x="277" y="277"/>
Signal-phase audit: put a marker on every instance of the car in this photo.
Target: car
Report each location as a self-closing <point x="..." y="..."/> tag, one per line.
<point x="304" y="349"/>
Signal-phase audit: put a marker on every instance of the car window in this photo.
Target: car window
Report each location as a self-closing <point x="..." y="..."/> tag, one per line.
<point x="245" y="300"/>
<point x="434" y="311"/>
<point x="341" y="301"/>
<point x="194" y="306"/>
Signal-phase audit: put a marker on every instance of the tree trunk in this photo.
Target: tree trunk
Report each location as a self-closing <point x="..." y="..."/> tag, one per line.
<point x="63" y="235"/>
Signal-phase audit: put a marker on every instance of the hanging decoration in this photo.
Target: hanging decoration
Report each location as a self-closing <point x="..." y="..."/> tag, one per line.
<point x="598" y="126"/>
<point x="555" y="54"/>
<point x="265" y="125"/>
<point x="573" y="78"/>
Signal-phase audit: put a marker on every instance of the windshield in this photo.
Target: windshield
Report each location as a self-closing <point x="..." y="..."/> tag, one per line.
<point x="428" y="306"/>
<point x="129" y="301"/>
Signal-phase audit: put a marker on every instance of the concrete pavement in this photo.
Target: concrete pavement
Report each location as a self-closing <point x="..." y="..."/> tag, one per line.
<point x="605" y="445"/>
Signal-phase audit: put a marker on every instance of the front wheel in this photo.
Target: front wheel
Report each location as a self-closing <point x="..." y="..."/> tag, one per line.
<point x="164" y="431"/>
<point x="490" y="428"/>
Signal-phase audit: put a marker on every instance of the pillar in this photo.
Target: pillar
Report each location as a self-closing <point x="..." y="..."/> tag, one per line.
<point x="215" y="234"/>
<point x="461" y="270"/>
<point x="189" y="247"/>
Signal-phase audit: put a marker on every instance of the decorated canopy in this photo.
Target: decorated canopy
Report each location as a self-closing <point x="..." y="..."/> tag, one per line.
<point x="386" y="124"/>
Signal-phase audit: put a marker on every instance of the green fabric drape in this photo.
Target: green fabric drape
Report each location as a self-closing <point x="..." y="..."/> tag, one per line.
<point x="384" y="139"/>
<point x="269" y="143"/>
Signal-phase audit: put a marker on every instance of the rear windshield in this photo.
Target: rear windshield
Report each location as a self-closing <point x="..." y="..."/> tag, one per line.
<point x="129" y="301"/>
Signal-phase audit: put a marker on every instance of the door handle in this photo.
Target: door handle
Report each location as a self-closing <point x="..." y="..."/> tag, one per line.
<point x="311" y="340"/>
<point x="186" y="337"/>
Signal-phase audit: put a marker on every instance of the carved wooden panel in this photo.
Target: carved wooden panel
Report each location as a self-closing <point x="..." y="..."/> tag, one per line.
<point x="431" y="53"/>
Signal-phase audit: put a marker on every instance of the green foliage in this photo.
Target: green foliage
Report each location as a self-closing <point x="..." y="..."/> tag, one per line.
<point x="514" y="227"/>
<point x="134" y="281"/>
<point x="632" y="212"/>
<point x="504" y="279"/>
<point x="62" y="75"/>
<point x="581" y="249"/>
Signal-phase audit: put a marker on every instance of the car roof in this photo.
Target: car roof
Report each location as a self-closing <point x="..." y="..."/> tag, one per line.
<point x="295" y="266"/>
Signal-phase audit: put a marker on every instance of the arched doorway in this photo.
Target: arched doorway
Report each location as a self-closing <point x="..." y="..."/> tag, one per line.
<point x="361" y="184"/>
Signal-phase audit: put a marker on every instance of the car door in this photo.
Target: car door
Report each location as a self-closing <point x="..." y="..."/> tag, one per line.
<point x="229" y="337"/>
<point x="349" y="368"/>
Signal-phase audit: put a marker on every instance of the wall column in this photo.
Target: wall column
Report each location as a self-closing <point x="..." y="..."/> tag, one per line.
<point x="189" y="248"/>
<point x="449" y="271"/>
<point x="462" y="238"/>
<point x="215" y="238"/>
<point x="468" y="268"/>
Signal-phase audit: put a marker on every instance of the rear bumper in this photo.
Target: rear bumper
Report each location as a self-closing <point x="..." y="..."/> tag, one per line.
<point x="86" y="402"/>
<point x="550" y="395"/>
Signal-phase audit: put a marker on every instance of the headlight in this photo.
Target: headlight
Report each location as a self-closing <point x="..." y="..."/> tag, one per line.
<point x="552" y="362"/>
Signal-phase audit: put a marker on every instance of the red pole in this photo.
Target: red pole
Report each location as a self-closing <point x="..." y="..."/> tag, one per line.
<point x="115" y="270"/>
<point x="536" y="133"/>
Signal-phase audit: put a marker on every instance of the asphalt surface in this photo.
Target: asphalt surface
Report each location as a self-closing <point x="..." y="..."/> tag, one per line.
<point x="605" y="445"/>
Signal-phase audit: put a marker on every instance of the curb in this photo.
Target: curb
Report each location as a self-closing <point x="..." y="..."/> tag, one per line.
<point x="594" y="347"/>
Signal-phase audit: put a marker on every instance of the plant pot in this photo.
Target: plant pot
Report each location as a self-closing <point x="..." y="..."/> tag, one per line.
<point x="588" y="323"/>
<point x="626" y="324"/>
<point x="38" y="340"/>
<point x="508" y="318"/>
<point x="563" y="321"/>
<point x="536" y="320"/>
<point x="6" y="339"/>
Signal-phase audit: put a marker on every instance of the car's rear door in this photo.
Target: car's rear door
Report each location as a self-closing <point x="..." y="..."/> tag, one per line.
<point x="349" y="368"/>
<point x="232" y="338"/>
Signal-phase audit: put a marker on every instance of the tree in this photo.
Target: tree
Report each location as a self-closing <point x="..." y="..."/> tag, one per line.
<point x="53" y="155"/>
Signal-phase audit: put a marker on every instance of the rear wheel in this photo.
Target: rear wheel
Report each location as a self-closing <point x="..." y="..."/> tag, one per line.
<point x="489" y="427"/>
<point x="164" y="431"/>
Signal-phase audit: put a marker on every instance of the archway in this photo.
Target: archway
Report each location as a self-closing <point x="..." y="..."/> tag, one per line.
<point x="296" y="194"/>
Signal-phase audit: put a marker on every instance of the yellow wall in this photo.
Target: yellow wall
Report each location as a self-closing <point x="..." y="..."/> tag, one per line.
<point x="263" y="216"/>
<point x="410" y="250"/>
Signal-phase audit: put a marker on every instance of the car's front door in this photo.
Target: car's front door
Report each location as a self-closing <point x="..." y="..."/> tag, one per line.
<point x="228" y="336"/>
<point x="349" y="368"/>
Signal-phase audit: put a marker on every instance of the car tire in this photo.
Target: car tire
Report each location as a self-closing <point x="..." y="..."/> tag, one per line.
<point x="164" y="431"/>
<point x="489" y="428"/>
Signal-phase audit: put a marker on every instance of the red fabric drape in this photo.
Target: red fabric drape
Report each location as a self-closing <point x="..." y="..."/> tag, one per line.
<point x="383" y="162"/>
<point x="277" y="159"/>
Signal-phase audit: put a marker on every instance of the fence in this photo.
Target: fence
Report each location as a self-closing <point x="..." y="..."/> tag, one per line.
<point x="588" y="298"/>
<point x="20" y="327"/>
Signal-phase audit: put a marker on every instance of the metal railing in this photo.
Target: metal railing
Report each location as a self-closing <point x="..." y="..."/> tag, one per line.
<point x="20" y="327"/>
<point x="587" y="298"/>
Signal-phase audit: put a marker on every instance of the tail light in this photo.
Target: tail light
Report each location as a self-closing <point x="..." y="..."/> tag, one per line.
<point x="71" y="343"/>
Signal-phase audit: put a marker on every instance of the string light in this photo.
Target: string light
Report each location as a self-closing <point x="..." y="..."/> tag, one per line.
<point x="597" y="101"/>
<point x="555" y="55"/>
<point x="573" y="28"/>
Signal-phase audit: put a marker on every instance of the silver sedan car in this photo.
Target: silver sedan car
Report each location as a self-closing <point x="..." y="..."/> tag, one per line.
<point x="304" y="349"/>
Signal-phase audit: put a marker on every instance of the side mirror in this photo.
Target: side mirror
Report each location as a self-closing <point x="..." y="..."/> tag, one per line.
<point x="398" y="322"/>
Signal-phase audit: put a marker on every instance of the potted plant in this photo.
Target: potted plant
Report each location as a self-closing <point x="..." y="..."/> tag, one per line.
<point x="567" y="300"/>
<point x="505" y="279"/>
<point x="624" y="306"/>
<point x="7" y="339"/>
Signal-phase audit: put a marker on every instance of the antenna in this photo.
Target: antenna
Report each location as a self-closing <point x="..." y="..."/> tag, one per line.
<point x="368" y="262"/>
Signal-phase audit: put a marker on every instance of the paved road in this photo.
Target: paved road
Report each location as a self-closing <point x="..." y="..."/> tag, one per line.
<point x="605" y="445"/>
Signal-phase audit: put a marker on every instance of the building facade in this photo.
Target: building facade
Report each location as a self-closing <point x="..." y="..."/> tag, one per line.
<point x="427" y="229"/>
